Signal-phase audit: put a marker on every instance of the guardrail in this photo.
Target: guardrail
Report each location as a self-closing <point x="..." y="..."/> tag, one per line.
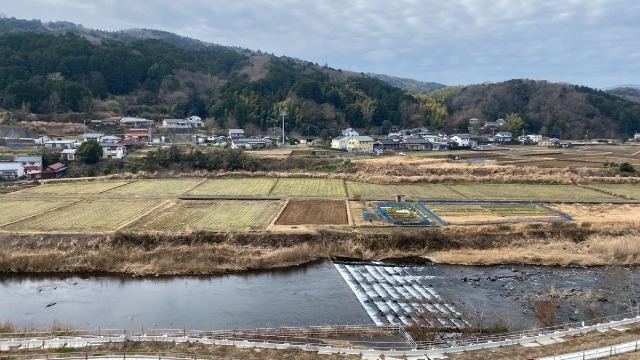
<point x="306" y="338"/>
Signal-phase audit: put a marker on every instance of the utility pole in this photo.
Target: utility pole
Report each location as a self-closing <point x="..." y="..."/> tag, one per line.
<point x="283" y="112"/>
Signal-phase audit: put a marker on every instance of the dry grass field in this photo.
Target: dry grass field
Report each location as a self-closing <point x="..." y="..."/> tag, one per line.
<point x="461" y="214"/>
<point x="603" y="214"/>
<point x="222" y="215"/>
<point x="170" y="187"/>
<point x="528" y="192"/>
<point x="413" y="191"/>
<point x="309" y="187"/>
<point x="86" y="216"/>
<point x="16" y="209"/>
<point x="314" y="212"/>
<point x="75" y="187"/>
<point x="234" y="187"/>
<point x="631" y="191"/>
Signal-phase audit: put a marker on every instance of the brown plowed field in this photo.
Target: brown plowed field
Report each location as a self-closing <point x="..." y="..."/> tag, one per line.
<point x="314" y="212"/>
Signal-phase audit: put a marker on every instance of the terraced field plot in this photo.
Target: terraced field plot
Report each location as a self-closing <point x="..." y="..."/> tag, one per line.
<point x="413" y="191"/>
<point x="528" y="192"/>
<point x="309" y="187"/>
<point x="86" y="216"/>
<point x="461" y="214"/>
<point x="221" y="215"/>
<point x="75" y="187"/>
<point x="234" y="187"/>
<point x="627" y="190"/>
<point x="170" y="187"/>
<point x="314" y="212"/>
<point x="16" y="209"/>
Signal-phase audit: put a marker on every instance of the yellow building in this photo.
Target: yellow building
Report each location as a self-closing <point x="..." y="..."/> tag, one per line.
<point x="360" y="143"/>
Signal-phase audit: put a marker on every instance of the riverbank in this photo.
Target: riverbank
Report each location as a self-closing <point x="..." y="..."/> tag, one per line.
<point x="201" y="253"/>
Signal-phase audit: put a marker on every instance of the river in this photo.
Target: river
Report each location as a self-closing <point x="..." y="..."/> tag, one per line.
<point x="317" y="294"/>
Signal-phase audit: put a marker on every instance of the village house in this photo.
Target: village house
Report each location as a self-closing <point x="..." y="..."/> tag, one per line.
<point x="339" y="143"/>
<point x="50" y="172"/>
<point x="11" y="170"/>
<point x="196" y="122"/>
<point x="461" y="139"/>
<point x="68" y="154"/>
<point x="92" y="136"/>
<point x="503" y="137"/>
<point x="416" y="144"/>
<point x="385" y="145"/>
<point x="534" y="138"/>
<point x="349" y="132"/>
<point x="176" y="124"/>
<point x="360" y="143"/>
<point x="113" y="150"/>
<point x="60" y="144"/>
<point x="131" y="122"/>
<point x="138" y="134"/>
<point x="30" y="162"/>
<point x="251" y="143"/>
<point x="236" y="134"/>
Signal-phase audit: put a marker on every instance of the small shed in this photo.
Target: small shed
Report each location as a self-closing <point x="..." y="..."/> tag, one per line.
<point x="401" y="198"/>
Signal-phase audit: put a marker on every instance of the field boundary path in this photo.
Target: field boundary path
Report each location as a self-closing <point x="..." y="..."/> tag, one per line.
<point x="374" y="352"/>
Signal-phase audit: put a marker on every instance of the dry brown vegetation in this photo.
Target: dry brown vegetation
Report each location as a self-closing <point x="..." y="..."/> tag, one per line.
<point x="52" y="128"/>
<point x="210" y="253"/>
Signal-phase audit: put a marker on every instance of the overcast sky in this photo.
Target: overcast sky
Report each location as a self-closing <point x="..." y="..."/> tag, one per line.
<point x="587" y="42"/>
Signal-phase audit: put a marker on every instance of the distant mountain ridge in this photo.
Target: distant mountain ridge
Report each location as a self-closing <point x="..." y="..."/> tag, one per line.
<point x="411" y="85"/>
<point x="627" y="93"/>
<point x="65" y="72"/>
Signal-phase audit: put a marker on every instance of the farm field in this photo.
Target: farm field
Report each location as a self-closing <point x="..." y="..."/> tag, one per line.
<point x="413" y="191"/>
<point x="220" y="215"/>
<point x="461" y="214"/>
<point x="309" y="187"/>
<point x="86" y="216"/>
<point x="314" y="212"/>
<point x="528" y="192"/>
<point x="611" y="214"/>
<point x="16" y="209"/>
<point x="170" y="187"/>
<point x="234" y="187"/>
<point x="75" y="187"/>
<point x="626" y="190"/>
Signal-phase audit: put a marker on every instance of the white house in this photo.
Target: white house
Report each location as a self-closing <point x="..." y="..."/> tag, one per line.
<point x="236" y="134"/>
<point x="349" y="132"/>
<point x="534" y="138"/>
<point x="461" y="139"/>
<point x="30" y="162"/>
<point x="339" y="142"/>
<point x="11" y="170"/>
<point x="195" y="121"/>
<point x="69" y="154"/>
<point x="176" y="124"/>
<point x="113" y="151"/>
<point x="135" y="122"/>
<point x="60" y="144"/>
<point x="503" y="136"/>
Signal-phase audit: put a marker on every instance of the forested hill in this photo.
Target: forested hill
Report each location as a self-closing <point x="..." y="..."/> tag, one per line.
<point x="411" y="85"/>
<point x="562" y="110"/>
<point x="73" y="77"/>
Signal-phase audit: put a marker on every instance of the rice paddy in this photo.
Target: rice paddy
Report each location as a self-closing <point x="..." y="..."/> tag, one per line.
<point x="221" y="215"/>
<point x="528" y="192"/>
<point x="413" y="191"/>
<point x="16" y="209"/>
<point x="484" y="213"/>
<point x="234" y="187"/>
<point x="86" y="216"/>
<point x="309" y="187"/>
<point x="631" y="191"/>
<point x="171" y="187"/>
<point x="74" y="187"/>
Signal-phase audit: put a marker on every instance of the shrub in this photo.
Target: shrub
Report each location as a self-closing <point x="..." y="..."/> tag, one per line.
<point x="626" y="167"/>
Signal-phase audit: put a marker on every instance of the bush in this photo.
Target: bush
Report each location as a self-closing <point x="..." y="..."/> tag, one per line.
<point x="626" y="167"/>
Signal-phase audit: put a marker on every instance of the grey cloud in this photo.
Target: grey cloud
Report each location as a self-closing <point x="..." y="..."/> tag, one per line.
<point x="589" y="42"/>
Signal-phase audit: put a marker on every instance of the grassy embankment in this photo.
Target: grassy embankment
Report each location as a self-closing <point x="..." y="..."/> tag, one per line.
<point x="212" y="253"/>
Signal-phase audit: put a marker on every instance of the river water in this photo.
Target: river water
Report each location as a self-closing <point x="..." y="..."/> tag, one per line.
<point x="316" y="294"/>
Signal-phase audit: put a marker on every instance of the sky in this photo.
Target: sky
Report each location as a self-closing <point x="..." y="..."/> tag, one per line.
<point x="455" y="42"/>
